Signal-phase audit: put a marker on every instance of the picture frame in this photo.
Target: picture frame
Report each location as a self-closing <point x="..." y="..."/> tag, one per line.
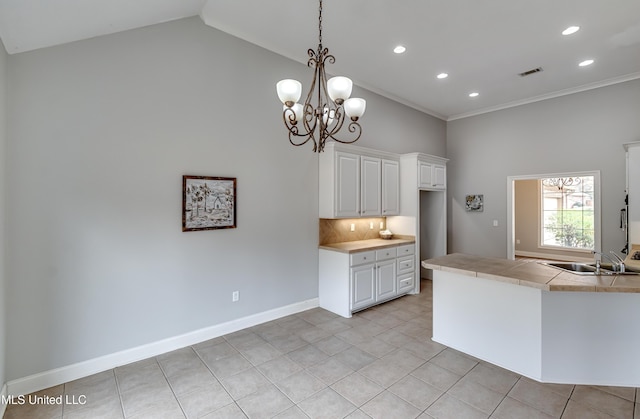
<point x="208" y="203"/>
<point x="474" y="203"/>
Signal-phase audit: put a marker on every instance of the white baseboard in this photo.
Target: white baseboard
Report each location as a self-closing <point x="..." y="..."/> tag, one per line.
<point x="72" y="372"/>
<point x="3" y="396"/>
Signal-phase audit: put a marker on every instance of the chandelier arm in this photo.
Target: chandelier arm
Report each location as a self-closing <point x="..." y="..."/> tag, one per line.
<point x="303" y="138"/>
<point x="289" y="117"/>
<point x="354" y="127"/>
<point x="311" y="62"/>
<point x="326" y="57"/>
<point x="339" y="118"/>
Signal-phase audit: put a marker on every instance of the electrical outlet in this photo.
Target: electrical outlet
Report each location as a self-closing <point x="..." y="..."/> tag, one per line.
<point x="371" y="225"/>
<point x="353" y="227"/>
<point x="235" y="296"/>
<point x="381" y="225"/>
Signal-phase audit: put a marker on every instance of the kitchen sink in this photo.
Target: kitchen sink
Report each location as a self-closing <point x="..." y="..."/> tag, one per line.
<point x="576" y="268"/>
<point x="589" y="268"/>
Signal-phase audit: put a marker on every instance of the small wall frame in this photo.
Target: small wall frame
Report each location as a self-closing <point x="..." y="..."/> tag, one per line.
<point x="474" y="203"/>
<point x="208" y="203"/>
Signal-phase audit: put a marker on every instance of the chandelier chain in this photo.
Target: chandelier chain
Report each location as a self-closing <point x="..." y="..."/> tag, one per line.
<point x="320" y="24"/>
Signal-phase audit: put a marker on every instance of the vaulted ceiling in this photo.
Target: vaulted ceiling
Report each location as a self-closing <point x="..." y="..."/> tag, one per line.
<point x="483" y="46"/>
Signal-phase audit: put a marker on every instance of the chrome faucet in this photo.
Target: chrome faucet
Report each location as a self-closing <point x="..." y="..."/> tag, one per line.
<point x="620" y="261"/>
<point x="617" y="262"/>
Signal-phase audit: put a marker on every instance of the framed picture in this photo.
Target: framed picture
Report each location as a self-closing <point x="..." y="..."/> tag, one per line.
<point x="474" y="203"/>
<point x="208" y="203"/>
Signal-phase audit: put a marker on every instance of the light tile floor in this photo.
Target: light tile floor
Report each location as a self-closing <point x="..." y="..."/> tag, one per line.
<point x="379" y="364"/>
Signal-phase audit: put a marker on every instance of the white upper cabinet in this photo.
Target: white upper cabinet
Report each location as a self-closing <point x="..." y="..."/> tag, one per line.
<point x="371" y="186"/>
<point x="390" y="187"/>
<point x="432" y="175"/>
<point x="358" y="182"/>
<point x="347" y="185"/>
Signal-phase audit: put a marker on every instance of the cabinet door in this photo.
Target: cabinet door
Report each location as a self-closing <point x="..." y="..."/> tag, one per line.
<point x="347" y="185"/>
<point x="425" y="175"/>
<point x="390" y="187"/>
<point x="386" y="280"/>
<point x="371" y="186"/>
<point x="363" y="286"/>
<point x="439" y="176"/>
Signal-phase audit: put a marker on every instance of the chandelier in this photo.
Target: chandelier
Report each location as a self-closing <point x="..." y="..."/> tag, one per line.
<point x="333" y="105"/>
<point x="561" y="182"/>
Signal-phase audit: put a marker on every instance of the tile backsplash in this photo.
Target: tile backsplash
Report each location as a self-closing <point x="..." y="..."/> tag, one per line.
<point x="338" y="231"/>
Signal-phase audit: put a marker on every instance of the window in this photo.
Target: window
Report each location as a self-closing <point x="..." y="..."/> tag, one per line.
<point x="567" y="211"/>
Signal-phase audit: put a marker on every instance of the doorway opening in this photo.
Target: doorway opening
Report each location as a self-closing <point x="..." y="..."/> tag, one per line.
<point x="526" y="225"/>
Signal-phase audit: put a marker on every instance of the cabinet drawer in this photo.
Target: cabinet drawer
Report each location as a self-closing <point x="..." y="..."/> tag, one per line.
<point x="384" y="254"/>
<point x="362" y="257"/>
<point x="405" y="283"/>
<point x="406" y="265"/>
<point x="407" y="249"/>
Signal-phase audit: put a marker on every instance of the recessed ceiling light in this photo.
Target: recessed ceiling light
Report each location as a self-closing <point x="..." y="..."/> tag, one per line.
<point x="474" y="94"/>
<point x="586" y="63"/>
<point x="442" y="76"/>
<point x="399" y="49"/>
<point x="571" y="30"/>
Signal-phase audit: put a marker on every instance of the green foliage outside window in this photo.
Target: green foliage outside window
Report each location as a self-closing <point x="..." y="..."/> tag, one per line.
<point x="568" y="212"/>
<point x="571" y="228"/>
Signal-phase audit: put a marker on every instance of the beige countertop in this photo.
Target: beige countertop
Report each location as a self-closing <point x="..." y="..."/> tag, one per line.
<point x="364" y="245"/>
<point x="528" y="272"/>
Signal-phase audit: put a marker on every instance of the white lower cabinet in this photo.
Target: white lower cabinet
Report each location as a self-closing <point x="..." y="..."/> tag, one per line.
<point x="353" y="281"/>
<point x="386" y="285"/>
<point x="363" y="286"/>
<point x="406" y="269"/>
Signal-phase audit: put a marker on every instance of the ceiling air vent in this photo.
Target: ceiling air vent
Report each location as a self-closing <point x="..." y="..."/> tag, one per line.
<point x="530" y="72"/>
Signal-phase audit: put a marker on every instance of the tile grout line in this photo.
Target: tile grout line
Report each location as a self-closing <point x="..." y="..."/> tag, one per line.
<point x="450" y="387"/>
<point x="164" y="373"/>
<point x="217" y="379"/>
<point x="115" y="376"/>
<point x="568" y="399"/>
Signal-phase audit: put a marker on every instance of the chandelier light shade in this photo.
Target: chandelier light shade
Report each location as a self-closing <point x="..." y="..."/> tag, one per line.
<point x="289" y="91"/>
<point x="333" y="105"/>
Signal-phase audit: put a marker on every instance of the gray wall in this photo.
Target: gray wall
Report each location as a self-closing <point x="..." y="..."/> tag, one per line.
<point x="392" y="127"/>
<point x="3" y="177"/>
<point x="579" y="132"/>
<point x="100" y="133"/>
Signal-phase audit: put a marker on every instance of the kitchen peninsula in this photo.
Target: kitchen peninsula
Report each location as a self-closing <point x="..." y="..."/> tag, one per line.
<point x="538" y="321"/>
